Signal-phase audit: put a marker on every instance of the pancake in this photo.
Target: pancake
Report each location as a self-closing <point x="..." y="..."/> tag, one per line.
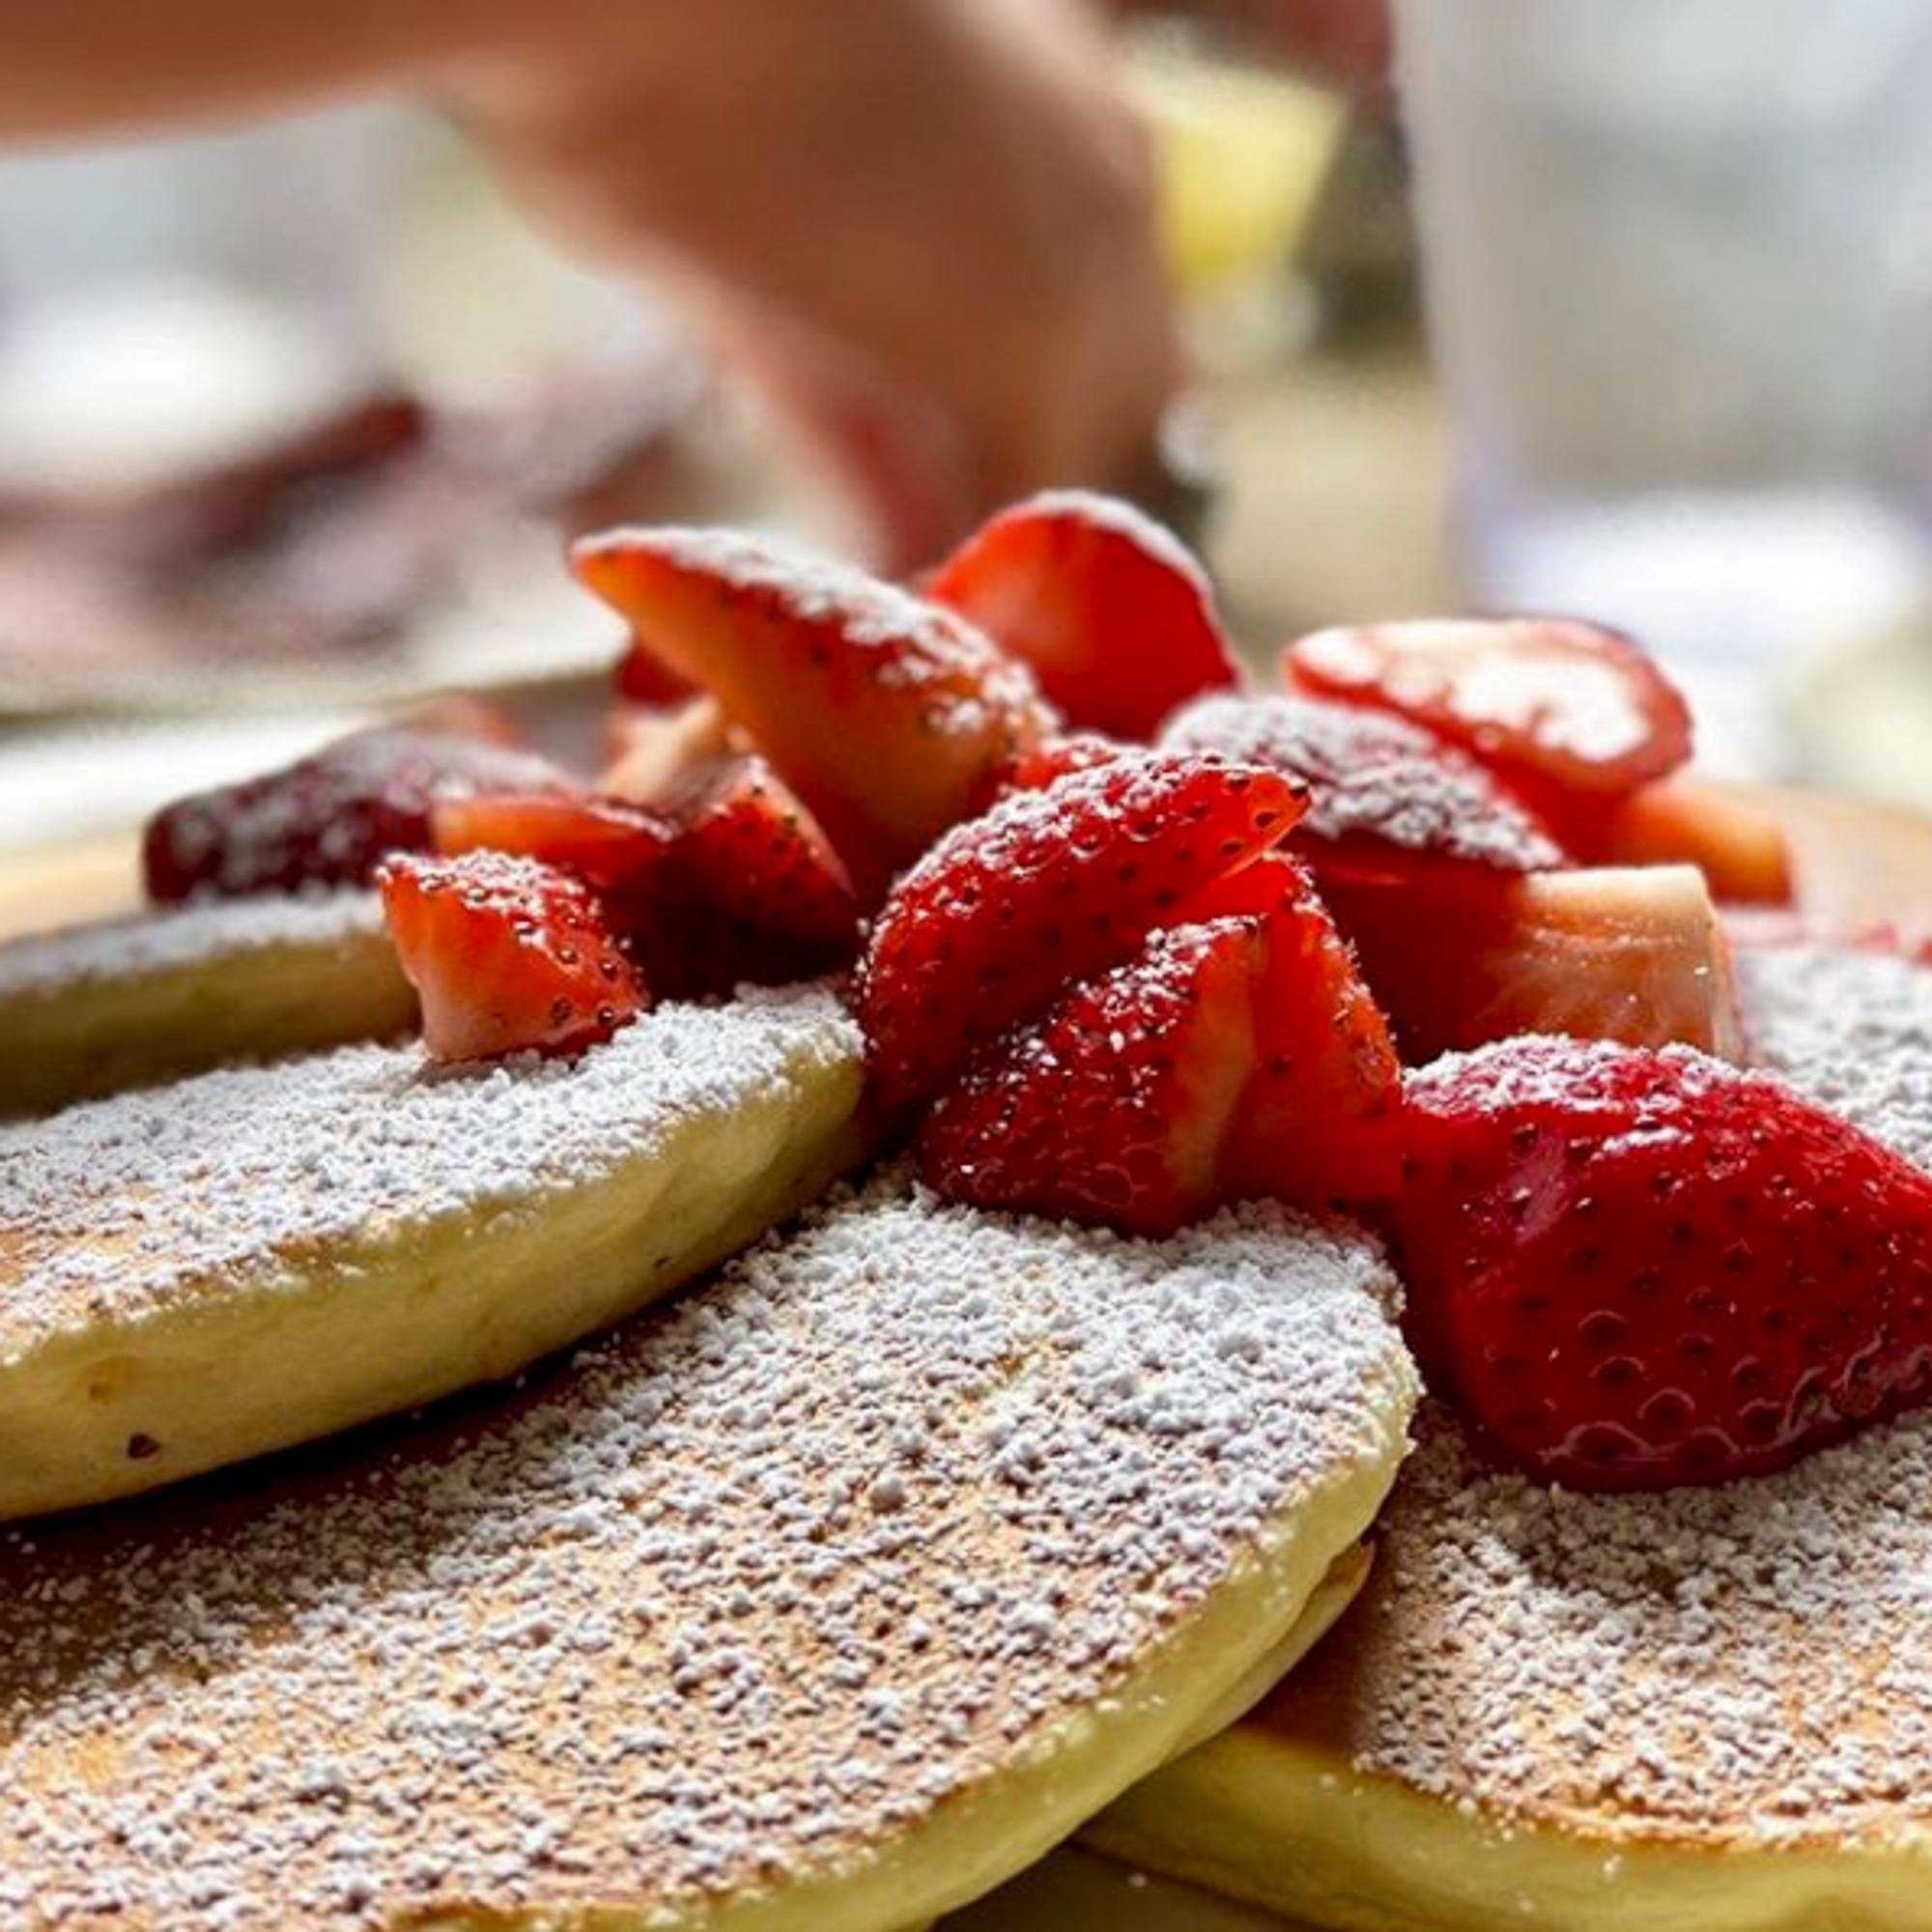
<point x="827" y="1598"/>
<point x="1701" y="1711"/>
<point x="194" y="1275"/>
<point x="93" y="1009"/>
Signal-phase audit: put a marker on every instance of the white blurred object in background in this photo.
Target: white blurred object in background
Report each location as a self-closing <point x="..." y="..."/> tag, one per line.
<point x="1679" y="270"/>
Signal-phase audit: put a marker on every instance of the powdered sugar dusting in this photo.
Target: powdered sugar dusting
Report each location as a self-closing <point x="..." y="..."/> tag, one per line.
<point x="125" y="1207"/>
<point x="1748" y="1664"/>
<point x="1124" y="520"/>
<point x="183" y="937"/>
<point x="1371" y="776"/>
<point x="741" y="1591"/>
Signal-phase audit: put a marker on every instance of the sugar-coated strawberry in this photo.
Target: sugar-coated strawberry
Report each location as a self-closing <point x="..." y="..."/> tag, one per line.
<point x="508" y="956"/>
<point x="1113" y="613"/>
<point x="1317" y="1123"/>
<point x="327" y="820"/>
<point x="752" y="853"/>
<point x="603" y="841"/>
<point x="1386" y="799"/>
<point x="1048" y="889"/>
<point x="1054" y="757"/>
<point x="1738" y="846"/>
<point x="1570" y="702"/>
<point x="1632" y="1269"/>
<point x="1630" y="954"/>
<point x="1114" y="1107"/>
<point x="885" y="713"/>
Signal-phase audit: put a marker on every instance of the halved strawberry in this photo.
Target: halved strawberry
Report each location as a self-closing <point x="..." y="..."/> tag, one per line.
<point x="751" y="852"/>
<point x="1387" y="798"/>
<point x="884" y="713"/>
<point x="603" y="841"/>
<point x="1116" y="618"/>
<point x="1634" y="1270"/>
<point x="509" y="957"/>
<point x="1636" y="954"/>
<point x="326" y="820"/>
<point x="1054" y="757"/>
<point x="1740" y="850"/>
<point x="1115" y="1105"/>
<point x="1049" y="887"/>
<point x="1560" y="700"/>
<point x="1316" y="1124"/>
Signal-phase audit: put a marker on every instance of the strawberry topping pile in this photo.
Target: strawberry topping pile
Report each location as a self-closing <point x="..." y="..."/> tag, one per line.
<point x="1123" y="1005"/>
<point x="1632" y="1268"/>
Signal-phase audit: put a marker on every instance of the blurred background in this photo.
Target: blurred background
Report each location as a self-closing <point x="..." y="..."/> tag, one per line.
<point x="1614" y="307"/>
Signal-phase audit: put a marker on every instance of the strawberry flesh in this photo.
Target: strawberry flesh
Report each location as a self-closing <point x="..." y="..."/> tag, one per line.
<point x="327" y="820"/>
<point x="1048" y="889"/>
<point x="1634" y="1270"/>
<point x="1572" y="703"/>
<point x="1114" y="1106"/>
<point x="606" y="843"/>
<point x="1387" y="798"/>
<point x="508" y="957"/>
<point x="1739" y="848"/>
<point x="886" y="714"/>
<point x="1116" y="618"/>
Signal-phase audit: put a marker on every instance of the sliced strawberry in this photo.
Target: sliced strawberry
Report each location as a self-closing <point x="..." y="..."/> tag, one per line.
<point x="1316" y="1125"/>
<point x="1034" y="769"/>
<point x="653" y="751"/>
<point x="644" y="678"/>
<point x="1636" y="954"/>
<point x="749" y="850"/>
<point x="1634" y="1270"/>
<point x="327" y="820"/>
<point x="509" y="957"/>
<point x="1114" y="1107"/>
<point x="884" y="713"/>
<point x="1386" y="799"/>
<point x="1114" y="615"/>
<point x="1563" y="700"/>
<point x="603" y="841"/>
<point x="1048" y="889"/>
<point x="1740" y="850"/>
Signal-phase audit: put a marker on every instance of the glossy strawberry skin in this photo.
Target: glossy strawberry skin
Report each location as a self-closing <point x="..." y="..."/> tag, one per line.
<point x="1116" y="619"/>
<point x="1636" y="1269"/>
<point x="1112" y="1108"/>
<point x="1387" y="800"/>
<point x="327" y="820"/>
<point x="1048" y="889"/>
<point x="605" y="842"/>
<point x="508" y="956"/>
<point x="1052" y="758"/>
<point x="1558" y="699"/>
<point x="1318" y="1122"/>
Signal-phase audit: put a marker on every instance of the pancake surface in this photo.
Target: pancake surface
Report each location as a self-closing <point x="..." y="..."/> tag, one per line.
<point x="1707" y="1708"/>
<point x="827" y="1598"/>
<point x="196" y="1273"/>
<point x="93" y="1009"/>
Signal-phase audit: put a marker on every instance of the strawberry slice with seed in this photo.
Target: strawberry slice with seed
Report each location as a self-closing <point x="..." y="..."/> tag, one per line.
<point x="886" y="714"/>
<point x="603" y="841"/>
<point x="508" y="956"/>
<point x="1049" y="887"/>
<point x="1634" y="1270"/>
<point x="1113" y="613"/>
<point x="1555" y="699"/>
<point x="1115" y="1105"/>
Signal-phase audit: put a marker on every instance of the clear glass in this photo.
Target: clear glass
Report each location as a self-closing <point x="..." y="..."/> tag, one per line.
<point x="1678" y="257"/>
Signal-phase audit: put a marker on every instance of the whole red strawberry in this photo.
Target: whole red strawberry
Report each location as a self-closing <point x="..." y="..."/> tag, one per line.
<point x="1634" y="1270"/>
<point x="1116" y="1107"/>
<point x="509" y="957"/>
<point x="326" y="820"/>
<point x="1048" y="889"/>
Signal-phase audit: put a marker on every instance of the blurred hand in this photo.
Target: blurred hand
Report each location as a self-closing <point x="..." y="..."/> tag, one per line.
<point x="927" y="223"/>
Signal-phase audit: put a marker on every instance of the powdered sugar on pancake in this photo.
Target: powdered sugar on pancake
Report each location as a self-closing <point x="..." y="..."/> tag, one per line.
<point x="1747" y="1664"/>
<point x="122" y="1208"/>
<point x="183" y="937"/>
<point x="747" y="1589"/>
